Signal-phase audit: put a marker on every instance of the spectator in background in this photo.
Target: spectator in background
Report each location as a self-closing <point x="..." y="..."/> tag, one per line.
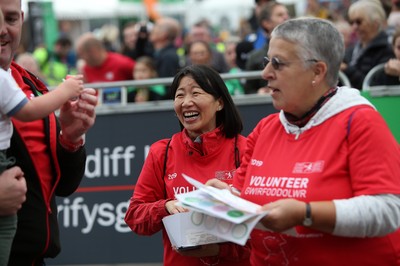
<point x="368" y="20"/>
<point x="201" y="32"/>
<point x="392" y="67"/>
<point x="28" y="61"/>
<point x="130" y="34"/>
<point x="390" y="75"/>
<point x="260" y="35"/>
<point x="253" y="20"/>
<point x="136" y="40"/>
<point x="163" y="36"/>
<point x="103" y="66"/>
<point x="145" y="68"/>
<point x="271" y="15"/>
<point x="57" y="64"/>
<point x="199" y="53"/>
<point x="236" y="53"/>
<point x="230" y="51"/>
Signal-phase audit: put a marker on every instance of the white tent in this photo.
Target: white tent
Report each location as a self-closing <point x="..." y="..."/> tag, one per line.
<point x="89" y="9"/>
<point x="84" y="9"/>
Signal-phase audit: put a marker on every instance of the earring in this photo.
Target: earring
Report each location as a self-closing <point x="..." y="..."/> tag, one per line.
<point x="313" y="82"/>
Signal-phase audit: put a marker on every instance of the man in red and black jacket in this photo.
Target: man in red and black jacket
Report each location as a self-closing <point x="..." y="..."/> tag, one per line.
<point x="50" y="152"/>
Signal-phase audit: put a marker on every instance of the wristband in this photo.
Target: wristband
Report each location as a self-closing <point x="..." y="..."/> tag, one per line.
<point x="307" y="218"/>
<point x="68" y="145"/>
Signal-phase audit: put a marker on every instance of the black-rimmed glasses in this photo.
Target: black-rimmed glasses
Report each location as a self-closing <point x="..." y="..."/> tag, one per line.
<point x="277" y="64"/>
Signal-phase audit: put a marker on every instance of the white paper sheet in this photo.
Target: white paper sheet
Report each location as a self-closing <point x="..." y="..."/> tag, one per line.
<point x="200" y="201"/>
<point x="225" y="196"/>
<point x="221" y="213"/>
<point x="186" y="230"/>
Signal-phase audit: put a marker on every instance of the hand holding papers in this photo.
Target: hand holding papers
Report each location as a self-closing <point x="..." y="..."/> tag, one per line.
<point x="220" y="213"/>
<point x="183" y="232"/>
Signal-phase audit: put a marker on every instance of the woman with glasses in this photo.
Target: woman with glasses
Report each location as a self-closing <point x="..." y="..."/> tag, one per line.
<point x="320" y="166"/>
<point x="368" y="21"/>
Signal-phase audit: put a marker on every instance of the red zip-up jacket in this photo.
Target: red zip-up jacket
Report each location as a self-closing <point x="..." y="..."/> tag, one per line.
<point x="37" y="235"/>
<point x="213" y="158"/>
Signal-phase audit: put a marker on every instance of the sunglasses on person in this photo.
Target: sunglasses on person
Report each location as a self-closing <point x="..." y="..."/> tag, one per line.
<point x="277" y="64"/>
<point x="357" y="21"/>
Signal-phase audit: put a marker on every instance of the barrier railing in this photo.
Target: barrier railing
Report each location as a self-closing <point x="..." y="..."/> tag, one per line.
<point x="157" y="81"/>
<point x="379" y="90"/>
<point x="123" y="85"/>
<point x="168" y="81"/>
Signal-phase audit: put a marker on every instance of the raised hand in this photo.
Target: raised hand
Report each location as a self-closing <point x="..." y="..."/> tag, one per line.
<point x="76" y="117"/>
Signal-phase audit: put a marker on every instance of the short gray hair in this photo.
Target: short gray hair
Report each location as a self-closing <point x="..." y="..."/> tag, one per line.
<point x="316" y="39"/>
<point x="171" y="26"/>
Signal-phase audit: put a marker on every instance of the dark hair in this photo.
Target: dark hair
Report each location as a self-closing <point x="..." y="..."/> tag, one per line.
<point x="130" y="24"/>
<point x="243" y="50"/>
<point x="267" y="10"/>
<point x="64" y="41"/>
<point x="148" y="62"/>
<point x="211" y="82"/>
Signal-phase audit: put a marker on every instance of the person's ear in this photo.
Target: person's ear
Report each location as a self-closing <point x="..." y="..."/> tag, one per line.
<point x="221" y="104"/>
<point x="320" y="70"/>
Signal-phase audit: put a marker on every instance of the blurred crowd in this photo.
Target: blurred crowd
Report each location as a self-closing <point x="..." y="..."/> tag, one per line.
<point x="152" y="49"/>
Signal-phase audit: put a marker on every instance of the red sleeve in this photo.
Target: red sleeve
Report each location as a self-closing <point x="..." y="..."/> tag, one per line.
<point x="374" y="155"/>
<point x="240" y="174"/>
<point x="147" y="205"/>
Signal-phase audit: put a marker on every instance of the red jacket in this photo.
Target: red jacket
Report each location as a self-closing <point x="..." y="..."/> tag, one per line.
<point x="49" y="170"/>
<point x="213" y="158"/>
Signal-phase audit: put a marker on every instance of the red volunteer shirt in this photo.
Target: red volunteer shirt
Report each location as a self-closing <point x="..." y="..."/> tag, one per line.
<point x="324" y="163"/>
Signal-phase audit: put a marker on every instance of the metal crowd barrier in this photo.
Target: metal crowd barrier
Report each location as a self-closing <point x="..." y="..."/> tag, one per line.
<point x="100" y="86"/>
<point x="379" y="90"/>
